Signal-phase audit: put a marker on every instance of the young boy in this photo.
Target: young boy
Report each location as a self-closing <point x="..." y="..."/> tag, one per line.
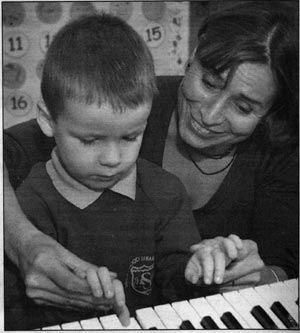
<point x="94" y="196"/>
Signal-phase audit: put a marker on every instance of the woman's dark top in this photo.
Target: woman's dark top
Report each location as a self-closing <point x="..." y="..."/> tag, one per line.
<point x="257" y="200"/>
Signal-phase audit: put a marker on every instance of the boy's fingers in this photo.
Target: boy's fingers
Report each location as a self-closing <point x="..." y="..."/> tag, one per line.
<point x="237" y="241"/>
<point x="207" y="263"/>
<point x="119" y="293"/>
<point x="106" y="282"/>
<point x="230" y="249"/>
<point x="120" y="303"/>
<point x="94" y="283"/>
<point x="219" y="266"/>
<point x="113" y="275"/>
<point x="195" y="247"/>
<point x="193" y="270"/>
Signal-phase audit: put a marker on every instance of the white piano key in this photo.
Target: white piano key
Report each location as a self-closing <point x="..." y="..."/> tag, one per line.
<point x="272" y="293"/>
<point x="168" y="316"/>
<point x="203" y="308"/>
<point x="148" y="318"/>
<point x="91" y="324"/>
<point x="111" y="322"/>
<point x="71" y="326"/>
<point x="242" y="307"/>
<point x="254" y="299"/>
<point x="282" y="289"/>
<point x="52" y="328"/>
<point x="219" y="303"/>
<point x="133" y="325"/>
<point x="293" y="285"/>
<point x="187" y="312"/>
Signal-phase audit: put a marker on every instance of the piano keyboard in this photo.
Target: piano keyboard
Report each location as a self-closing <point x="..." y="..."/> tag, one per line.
<point x="272" y="306"/>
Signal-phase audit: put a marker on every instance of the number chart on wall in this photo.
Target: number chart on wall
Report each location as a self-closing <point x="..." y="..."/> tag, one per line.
<point x="29" y="27"/>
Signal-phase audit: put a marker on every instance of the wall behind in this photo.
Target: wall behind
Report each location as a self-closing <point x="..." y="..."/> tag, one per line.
<point x="28" y="28"/>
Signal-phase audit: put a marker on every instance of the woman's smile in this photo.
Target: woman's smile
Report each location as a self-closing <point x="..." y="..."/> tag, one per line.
<point x="201" y="129"/>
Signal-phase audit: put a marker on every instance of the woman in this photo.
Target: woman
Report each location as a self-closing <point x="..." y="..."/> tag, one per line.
<point x="233" y="136"/>
<point x="231" y="139"/>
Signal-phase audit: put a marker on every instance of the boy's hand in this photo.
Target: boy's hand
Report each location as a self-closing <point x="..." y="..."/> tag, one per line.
<point x="103" y="286"/>
<point x="211" y="257"/>
<point x="100" y="282"/>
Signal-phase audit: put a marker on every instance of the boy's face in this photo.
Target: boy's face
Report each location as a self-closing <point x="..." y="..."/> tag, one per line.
<point x="97" y="145"/>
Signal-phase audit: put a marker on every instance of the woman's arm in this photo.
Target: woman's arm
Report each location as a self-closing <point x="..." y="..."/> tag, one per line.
<point x="40" y="259"/>
<point x="275" y="224"/>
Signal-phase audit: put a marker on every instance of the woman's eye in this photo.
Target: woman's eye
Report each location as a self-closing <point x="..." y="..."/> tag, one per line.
<point x="245" y="109"/>
<point x="209" y="84"/>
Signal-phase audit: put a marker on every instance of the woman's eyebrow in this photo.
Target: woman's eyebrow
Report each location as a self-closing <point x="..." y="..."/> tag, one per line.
<point x="250" y="100"/>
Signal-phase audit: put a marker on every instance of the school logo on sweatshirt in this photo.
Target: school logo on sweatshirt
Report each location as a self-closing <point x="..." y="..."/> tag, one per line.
<point x="141" y="274"/>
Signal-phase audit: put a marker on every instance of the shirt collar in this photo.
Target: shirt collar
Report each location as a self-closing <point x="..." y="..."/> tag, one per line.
<point x="78" y="194"/>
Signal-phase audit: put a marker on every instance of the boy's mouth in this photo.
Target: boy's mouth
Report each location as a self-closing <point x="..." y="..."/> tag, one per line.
<point x="104" y="178"/>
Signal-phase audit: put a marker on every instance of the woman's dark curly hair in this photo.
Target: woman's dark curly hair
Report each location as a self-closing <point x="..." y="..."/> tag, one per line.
<point x="259" y="32"/>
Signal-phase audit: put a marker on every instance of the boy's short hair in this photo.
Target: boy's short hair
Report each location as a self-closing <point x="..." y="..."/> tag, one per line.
<point x="98" y="59"/>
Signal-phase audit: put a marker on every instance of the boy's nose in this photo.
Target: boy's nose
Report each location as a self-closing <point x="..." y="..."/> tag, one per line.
<point x="110" y="156"/>
<point x="212" y="111"/>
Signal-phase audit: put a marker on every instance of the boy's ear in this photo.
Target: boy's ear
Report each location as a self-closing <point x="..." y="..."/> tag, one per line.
<point x="44" y="120"/>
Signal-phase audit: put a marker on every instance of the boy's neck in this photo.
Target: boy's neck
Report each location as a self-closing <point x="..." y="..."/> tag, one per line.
<point x="78" y="194"/>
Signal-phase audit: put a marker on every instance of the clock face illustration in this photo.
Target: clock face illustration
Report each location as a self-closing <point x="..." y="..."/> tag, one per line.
<point x="49" y="12"/>
<point x="13" y="14"/>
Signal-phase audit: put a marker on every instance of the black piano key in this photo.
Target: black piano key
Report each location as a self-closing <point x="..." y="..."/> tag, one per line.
<point x="297" y="302"/>
<point x="230" y="321"/>
<point x="208" y="323"/>
<point x="152" y="328"/>
<point x="186" y="325"/>
<point x="263" y="318"/>
<point x="284" y="316"/>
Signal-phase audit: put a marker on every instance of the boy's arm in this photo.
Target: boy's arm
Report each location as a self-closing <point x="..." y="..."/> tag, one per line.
<point x="174" y="236"/>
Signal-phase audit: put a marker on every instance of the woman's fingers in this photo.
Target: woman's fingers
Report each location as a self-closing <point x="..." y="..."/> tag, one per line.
<point x="246" y="264"/>
<point x="44" y="297"/>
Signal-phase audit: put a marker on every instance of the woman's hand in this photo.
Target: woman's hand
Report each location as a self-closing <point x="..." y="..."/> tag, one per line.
<point x="54" y="276"/>
<point x="211" y="257"/>
<point x="246" y="268"/>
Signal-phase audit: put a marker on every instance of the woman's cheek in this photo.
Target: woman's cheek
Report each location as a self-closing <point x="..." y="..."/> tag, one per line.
<point x="244" y="127"/>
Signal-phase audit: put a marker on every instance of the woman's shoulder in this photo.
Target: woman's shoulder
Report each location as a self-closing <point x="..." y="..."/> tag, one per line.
<point x="29" y="136"/>
<point x="272" y="161"/>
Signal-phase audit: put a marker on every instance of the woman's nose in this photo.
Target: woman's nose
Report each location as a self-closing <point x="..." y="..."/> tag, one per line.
<point x="212" y="110"/>
<point x="110" y="155"/>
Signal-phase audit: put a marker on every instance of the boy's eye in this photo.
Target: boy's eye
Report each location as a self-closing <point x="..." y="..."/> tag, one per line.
<point x="131" y="138"/>
<point x="88" y="142"/>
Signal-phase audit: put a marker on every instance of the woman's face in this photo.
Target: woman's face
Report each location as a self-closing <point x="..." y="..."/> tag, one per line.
<point x="216" y="111"/>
